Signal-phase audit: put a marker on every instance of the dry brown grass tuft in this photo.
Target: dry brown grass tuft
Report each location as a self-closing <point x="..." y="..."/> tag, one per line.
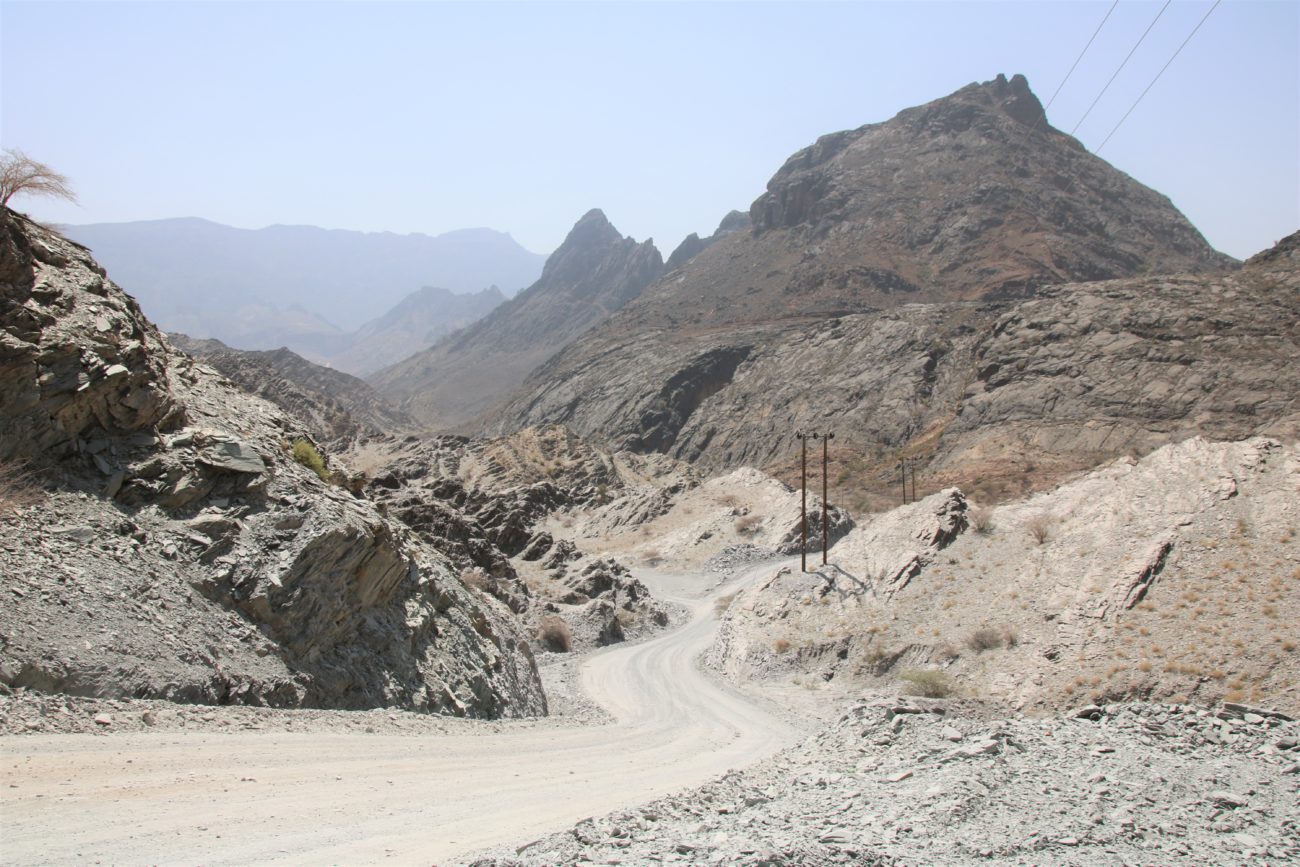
<point x="981" y="519"/>
<point x="983" y="639"/>
<point x="555" y="633"/>
<point x="748" y="524"/>
<point x="1039" y="527"/>
<point x="18" y="488"/>
<point x="475" y="579"/>
<point x="781" y="645"/>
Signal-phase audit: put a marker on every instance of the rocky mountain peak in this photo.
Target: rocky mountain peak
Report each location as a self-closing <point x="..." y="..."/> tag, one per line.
<point x="591" y="246"/>
<point x="593" y="229"/>
<point x="595" y="272"/>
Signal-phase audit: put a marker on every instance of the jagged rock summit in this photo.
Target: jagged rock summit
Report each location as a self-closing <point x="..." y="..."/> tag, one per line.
<point x="170" y="540"/>
<point x="593" y="273"/>
<point x="876" y="286"/>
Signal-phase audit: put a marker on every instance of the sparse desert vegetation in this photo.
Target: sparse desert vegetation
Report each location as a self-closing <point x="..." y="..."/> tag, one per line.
<point x="555" y="634"/>
<point x="927" y="682"/>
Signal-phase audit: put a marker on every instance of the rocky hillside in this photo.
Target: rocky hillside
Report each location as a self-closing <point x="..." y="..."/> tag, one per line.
<point x="997" y="395"/>
<point x="1173" y="577"/>
<point x="870" y="291"/>
<point x="595" y="272"/>
<point x="491" y="506"/>
<point x="896" y="782"/>
<point x="335" y="406"/>
<point x="159" y="538"/>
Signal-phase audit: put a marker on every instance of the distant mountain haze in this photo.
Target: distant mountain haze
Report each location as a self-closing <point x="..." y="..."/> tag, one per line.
<point x="593" y="273"/>
<point x="297" y="286"/>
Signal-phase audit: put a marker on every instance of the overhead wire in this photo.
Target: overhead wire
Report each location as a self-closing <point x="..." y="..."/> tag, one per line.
<point x="1124" y="63"/>
<point x="1075" y="65"/>
<point x="1158" y="74"/>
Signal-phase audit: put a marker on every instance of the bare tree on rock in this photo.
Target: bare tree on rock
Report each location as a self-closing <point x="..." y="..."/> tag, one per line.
<point x="20" y="173"/>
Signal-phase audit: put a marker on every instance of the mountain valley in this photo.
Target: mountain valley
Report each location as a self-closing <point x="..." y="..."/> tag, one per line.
<point x="540" y="588"/>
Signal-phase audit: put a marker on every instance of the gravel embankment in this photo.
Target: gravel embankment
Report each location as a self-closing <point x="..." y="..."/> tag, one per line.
<point x="903" y="783"/>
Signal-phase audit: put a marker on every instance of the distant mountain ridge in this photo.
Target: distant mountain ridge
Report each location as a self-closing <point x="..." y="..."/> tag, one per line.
<point x="299" y="286"/>
<point x="595" y="272"/>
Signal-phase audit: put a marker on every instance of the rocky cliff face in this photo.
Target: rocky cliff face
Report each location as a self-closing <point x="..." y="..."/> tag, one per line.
<point x="165" y="543"/>
<point x="335" y="406"/>
<point x="490" y="505"/>
<point x="595" y="272"/>
<point x="994" y="391"/>
<point x="879" y="293"/>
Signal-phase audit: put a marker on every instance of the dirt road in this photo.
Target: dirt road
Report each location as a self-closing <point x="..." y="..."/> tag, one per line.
<point x="248" y="797"/>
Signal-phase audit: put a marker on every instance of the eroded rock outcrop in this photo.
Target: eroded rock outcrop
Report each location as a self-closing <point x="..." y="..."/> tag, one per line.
<point x="172" y="547"/>
<point x="1157" y="577"/>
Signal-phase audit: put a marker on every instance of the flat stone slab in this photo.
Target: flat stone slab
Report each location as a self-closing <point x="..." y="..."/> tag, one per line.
<point x="234" y="456"/>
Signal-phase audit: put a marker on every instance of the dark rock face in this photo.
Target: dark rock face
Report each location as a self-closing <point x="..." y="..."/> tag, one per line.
<point x="77" y="358"/>
<point x="690" y="247"/>
<point x="1080" y="374"/>
<point x="175" y="549"/>
<point x="693" y="245"/>
<point x="861" y="295"/>
<point x="595" y="272"/>
<point x="479" y="501"/>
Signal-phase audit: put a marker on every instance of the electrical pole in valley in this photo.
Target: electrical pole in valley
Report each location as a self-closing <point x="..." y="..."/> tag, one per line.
<point x="803" y="508"/>
<point x="825" y="498"/>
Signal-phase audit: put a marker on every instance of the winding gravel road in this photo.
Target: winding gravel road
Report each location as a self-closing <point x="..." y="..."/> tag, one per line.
<point x="240" y="798"/>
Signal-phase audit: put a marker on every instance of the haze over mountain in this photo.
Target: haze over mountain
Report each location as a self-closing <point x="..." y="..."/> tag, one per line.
<point x="593" y="273"/>
<point x="297" y="286"/>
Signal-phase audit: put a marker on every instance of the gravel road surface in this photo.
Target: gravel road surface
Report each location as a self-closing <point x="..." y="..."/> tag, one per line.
<point x="349" y="798"/>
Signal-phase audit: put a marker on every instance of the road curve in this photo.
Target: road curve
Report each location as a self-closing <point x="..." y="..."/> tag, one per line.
<point x="285" y="798"/>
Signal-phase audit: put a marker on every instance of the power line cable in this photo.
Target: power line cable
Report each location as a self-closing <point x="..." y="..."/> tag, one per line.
<point x="1121" y="67"/>
<point x="1080" y="57"/>
<point x="1157" y="78"/>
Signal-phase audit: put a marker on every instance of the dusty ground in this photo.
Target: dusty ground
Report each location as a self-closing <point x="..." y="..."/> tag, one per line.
<point x="650" y="760"/>
<point x="309" y="787"/>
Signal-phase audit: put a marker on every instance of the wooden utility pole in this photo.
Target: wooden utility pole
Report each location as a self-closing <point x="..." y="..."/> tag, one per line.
<point x="803" y="508"/>
<point x="902" y="478"/>
<point x="825" y="500"/>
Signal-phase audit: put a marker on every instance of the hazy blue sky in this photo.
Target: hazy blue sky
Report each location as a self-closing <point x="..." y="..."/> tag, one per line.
<point x="425" y="117"/>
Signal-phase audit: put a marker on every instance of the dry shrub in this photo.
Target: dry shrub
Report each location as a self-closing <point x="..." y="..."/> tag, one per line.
<point x="981" y="519"/>
<point x="781" y="645"/>
<point x="475" y="579"/>
<point x="926" y="682"/>
<point x="983" y="639"/>
<point x="722" y="603"/>
<point x="18" y="488"/>
<point x="652" y="556"/>
<point x="748" y="525"/>
<point x="1039" y="527"/>
<point x="555" y="634"/>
